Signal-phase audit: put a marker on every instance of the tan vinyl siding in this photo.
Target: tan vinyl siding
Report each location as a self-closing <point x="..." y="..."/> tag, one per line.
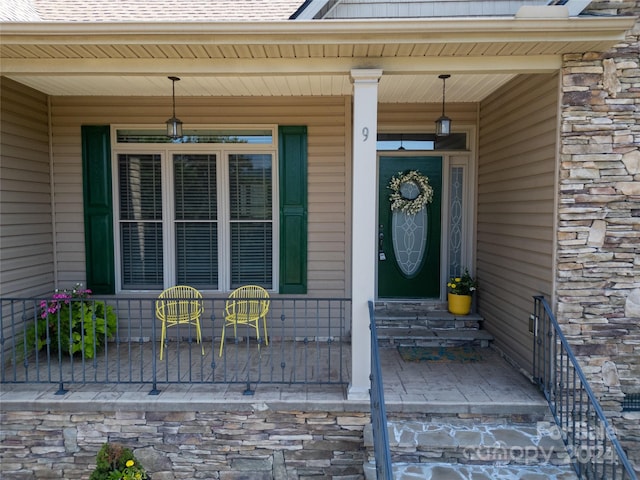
<point x="26" y="240"/>
<point x="516" y="185"/>
<point x="327" y="119"/>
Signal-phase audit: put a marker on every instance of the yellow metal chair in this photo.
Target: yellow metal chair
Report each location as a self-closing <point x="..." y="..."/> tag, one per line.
<point x="179" y="305"/>
<point x="246" y="306"/>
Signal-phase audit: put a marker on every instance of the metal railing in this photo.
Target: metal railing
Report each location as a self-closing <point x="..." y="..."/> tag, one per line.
<point x="308" y="343"/>
<point x="593" y="448"/>
<point x="382" y="452"/>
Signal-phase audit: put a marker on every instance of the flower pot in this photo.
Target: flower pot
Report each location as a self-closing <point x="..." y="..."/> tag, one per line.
<point x="459" y="304"/>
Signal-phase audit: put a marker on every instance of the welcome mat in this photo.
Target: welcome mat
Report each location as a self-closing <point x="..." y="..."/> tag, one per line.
<point x="439" y="354"/>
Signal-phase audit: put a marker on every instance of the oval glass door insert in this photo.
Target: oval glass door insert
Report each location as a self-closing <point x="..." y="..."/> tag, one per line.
<point x="409" y="237"/>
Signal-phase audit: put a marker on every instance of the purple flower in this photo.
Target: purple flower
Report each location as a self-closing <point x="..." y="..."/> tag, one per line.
<point x="60" y="298"/>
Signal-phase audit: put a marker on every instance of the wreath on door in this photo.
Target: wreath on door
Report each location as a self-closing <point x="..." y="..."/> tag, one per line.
<point x="410" y="192"/>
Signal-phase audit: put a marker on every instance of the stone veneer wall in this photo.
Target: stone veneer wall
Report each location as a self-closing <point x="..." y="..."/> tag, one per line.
<point x="598" y="279"/>
<point x="256" y="444"/>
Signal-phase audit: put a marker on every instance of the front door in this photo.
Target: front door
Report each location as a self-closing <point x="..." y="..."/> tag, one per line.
<point x="409" y="235"/>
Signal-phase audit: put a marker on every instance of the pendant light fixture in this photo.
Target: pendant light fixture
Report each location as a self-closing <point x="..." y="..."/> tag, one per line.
<point x="174" y="125"/>
<point x="443" y="124"/>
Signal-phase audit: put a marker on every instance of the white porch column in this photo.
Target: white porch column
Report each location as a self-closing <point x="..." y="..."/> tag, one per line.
<point x="364" y="225"/>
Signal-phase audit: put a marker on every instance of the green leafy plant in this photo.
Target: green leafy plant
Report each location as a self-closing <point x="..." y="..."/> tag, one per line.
<point x="117" y="462"/>
<point x="71" y="322"/>
<point x="464" y="285"/>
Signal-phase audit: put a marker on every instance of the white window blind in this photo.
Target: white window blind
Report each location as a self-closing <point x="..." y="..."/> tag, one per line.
<point x="251" y="223"/>
<point x="196" y="220"/>
<point x="140" y="217"/>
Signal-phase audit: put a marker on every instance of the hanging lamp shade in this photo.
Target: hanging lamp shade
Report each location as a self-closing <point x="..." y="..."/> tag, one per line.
<point x="174" y="125"/>
<point x="443" y="124"/>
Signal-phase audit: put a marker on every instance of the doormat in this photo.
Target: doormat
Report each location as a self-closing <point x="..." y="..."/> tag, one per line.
<point x="439" y="354"/>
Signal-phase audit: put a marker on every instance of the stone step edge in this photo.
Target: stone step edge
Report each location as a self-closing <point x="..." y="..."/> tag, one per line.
<point x="448" y="408"/>
<point x="435" y="315"/>
<point x="430" y="325"/>
<point x="444" y="434"/>
<point x="435" y="471"/>
<point x="412" y="303"/>
<point x="448" y="334"/>
<point x="439" y="338"/>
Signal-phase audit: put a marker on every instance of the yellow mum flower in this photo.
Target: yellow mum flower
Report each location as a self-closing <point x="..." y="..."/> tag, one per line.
<point x="130" y="463"/>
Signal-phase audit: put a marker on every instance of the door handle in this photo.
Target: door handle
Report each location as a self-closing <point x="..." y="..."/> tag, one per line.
<point x="381" y="255"/>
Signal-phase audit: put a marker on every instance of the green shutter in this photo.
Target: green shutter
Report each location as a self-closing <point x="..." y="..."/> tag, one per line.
<point x="98" y="209"/>
<point x="293" y="209"/>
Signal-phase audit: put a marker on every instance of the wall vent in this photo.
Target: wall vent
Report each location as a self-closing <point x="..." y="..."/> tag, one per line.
<point x="631" y="402"/>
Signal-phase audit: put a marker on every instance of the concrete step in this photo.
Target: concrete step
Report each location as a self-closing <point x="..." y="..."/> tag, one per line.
<point x="427" y="324"/>
<point x="477" y="443"/>
<point x="443" y="471"/>
<point x="441" y="321"/>
<point x="454" y="448"/>
<point x="421" y="314"/>
<point x="410" y="305"/>
<point x="427" y="337"/>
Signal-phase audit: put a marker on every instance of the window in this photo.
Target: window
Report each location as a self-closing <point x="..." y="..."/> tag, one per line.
<point x="199" y="215"/>
<point x="250" y="200"/>
<point x="196" y="220"/>
<point x="150" y="221"/>
<point x="137" y="135"/>
<point x="140" y="221"/>
<point x="421" y="141"/>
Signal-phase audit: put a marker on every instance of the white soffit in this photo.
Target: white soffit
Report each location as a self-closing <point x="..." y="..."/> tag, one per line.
<point x="425" y="88"/>
<point x="295" y="58"/>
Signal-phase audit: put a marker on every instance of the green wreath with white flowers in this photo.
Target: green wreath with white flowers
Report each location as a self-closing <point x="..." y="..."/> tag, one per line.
<point x="402" y="203"/>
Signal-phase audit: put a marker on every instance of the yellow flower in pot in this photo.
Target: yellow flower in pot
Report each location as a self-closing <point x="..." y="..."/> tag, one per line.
<point x="460" y="292"/>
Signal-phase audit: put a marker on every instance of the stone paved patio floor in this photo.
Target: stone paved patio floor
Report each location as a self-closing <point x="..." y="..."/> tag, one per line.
<point x="487" y="386"/>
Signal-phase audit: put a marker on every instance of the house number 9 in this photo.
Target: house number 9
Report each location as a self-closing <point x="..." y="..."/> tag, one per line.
<point x="365" y="134"/>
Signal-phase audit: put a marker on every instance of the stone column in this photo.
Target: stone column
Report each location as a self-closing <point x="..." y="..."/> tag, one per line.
<point x="598" y="282"/>
<point x="363" y="250"/>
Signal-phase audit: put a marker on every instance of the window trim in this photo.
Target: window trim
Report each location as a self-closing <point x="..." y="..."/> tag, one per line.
<point x="240" y="129"/>
<point x="222" y="152"/>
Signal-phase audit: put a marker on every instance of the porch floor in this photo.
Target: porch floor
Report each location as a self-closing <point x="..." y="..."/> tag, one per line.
<point x="487" y="386"/>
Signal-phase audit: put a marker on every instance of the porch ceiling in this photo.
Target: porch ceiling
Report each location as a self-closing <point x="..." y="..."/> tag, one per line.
<point x="295" y="58"/>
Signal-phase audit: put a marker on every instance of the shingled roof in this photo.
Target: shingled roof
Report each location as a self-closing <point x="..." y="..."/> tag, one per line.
<point x="147" y="10"/>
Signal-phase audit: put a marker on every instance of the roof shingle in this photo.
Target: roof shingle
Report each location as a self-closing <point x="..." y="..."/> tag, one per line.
<point x="18" y="11"/>
<point x="148" y="10"/>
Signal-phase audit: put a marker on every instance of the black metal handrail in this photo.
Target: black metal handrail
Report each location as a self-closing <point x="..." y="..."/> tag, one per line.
<point x="591" y="442"/>
<point x="308" y="343"/>
<point x="381" y="450"/>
